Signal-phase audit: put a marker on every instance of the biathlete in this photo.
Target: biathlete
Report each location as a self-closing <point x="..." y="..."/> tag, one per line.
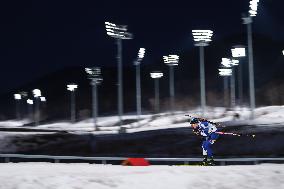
<point x="207" y="130"/>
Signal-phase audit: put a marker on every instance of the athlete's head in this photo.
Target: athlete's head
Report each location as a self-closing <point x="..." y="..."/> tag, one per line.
<point x="194" y="122"/>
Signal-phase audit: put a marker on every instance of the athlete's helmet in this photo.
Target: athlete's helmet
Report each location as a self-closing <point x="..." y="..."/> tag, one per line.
<point x="194" y="120"/>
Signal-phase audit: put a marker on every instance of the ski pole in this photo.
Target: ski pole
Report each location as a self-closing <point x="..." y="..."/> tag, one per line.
<point x="235" y="134"/>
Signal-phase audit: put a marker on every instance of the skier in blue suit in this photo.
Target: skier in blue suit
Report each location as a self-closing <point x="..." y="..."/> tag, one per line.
<point x="208" y="131"/>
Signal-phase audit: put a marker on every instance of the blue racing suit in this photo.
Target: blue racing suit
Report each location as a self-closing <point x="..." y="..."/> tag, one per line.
<point x="207" y="131"/>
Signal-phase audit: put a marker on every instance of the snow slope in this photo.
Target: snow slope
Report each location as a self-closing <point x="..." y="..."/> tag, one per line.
<point x="91" y="176"/>
<point x="270" y="115"/>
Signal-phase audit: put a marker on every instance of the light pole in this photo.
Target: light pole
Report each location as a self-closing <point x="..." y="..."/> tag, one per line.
<point x="119" y="32"/>
<point x="239" y="52"/>
<point x="37" y="94"/>
<point x="30" y="108"/>
<point x="228" y="65"/>
<point x="171" y="61"/>
<point x="23" y="108"/>
<point x="72" y="88"/>
<point x="202" y="39"/>
<point x="225" y="72"/>
<point x="156" y="75"/>
<point x="248" y="21"/>
<point x="94" y="74"/>
<point x="18" y="98"/>
<point x="137" y="62"/>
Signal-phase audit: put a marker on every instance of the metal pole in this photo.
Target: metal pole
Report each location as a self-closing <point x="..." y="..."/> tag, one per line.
<point x="202" y="80"/>
<point x="240" y="82"/>
<point x="157" y="102"/>
<point x="233" y="89"/>
<point x="94" y="103"/>
<point x="30" y="110"/>
<point x="172" y="89"/>
<point x="37" y="116"/>
<point x="138" y="91"/>
<point x="17" y="109"/>
<point x="251" y="71"/>
<point x="226" y="86"/>
<point x="119" y="75"/>
<point x="73" y="107"/>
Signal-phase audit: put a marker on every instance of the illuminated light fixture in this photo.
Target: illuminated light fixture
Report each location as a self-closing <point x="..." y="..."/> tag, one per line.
<point x="36" y="93"/>
<point x="283" y="52"/>
<point x="171" y="60"/>
<point x="156" y="74"/>
<point x="225" y="71"/>
<point x="202" y="37"/>
<point x="17" y="96"/>
<point x="141" y="53"/>
<point x="117" y="31"/>
<point x="29" y="101"/>
<point x="72" y="87"/>
<point x="42" y="99"/>
<point x="234" y="62"/>
<point x="226" y="62"/>
<point x="94" y="74"/>
<point x="238" y="52"/>
<point x="253" y="7"/>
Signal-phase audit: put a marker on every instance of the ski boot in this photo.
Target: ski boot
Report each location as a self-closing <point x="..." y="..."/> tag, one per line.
<point x="204" y="162"/>
<point x="211" y="161"/>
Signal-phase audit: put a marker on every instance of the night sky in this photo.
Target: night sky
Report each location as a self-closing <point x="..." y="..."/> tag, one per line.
<point x="41" y="37"/>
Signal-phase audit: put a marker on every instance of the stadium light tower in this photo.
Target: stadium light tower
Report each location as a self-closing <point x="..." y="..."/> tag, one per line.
<point x="18" y="98"/>
<point x="248" y="21"/>
<point x="171" y="61"/>
<point x="137" y="63"/>
<point x="94" y="74"/>
<point x="225" y="71"/>
<point x="156" y="75"/>
<point x="239" y="52"/>
<point x="72" y="88"/>
<point x="119" y="32"/>
<point x="202" y="39"/>
<point x="30" y="108"/>
<point x="37" y="94"/>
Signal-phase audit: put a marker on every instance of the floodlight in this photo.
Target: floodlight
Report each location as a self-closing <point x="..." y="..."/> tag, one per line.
<point x="226" y="62"/>
<point x="72" y="87"/>
<point x="42" y="99"/>
<point x="29" y="101"/>
<point x="17" y="96"/>
<point x="36" y="93"/>
<point x="253" y="7"/>
<point x="94" y="74"/>
<point x="283" y="52"/>
<point x="234" y="62"/>
<point x="238" y="52"/>
<point x="117" y="31"/>
<point x="202" y="37"/>
<point x="171" y="60"/>
<point x="141" y="53"/>
<point x="225" y="71"/>
<point x="156" y="74"/>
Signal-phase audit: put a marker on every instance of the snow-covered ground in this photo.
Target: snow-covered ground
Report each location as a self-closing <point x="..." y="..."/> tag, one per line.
<point x="77" y="176"/>
<point x="270" y="115"/>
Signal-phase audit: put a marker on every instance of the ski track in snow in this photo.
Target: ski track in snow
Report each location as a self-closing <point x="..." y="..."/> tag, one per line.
<point x="91" y="176"/>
